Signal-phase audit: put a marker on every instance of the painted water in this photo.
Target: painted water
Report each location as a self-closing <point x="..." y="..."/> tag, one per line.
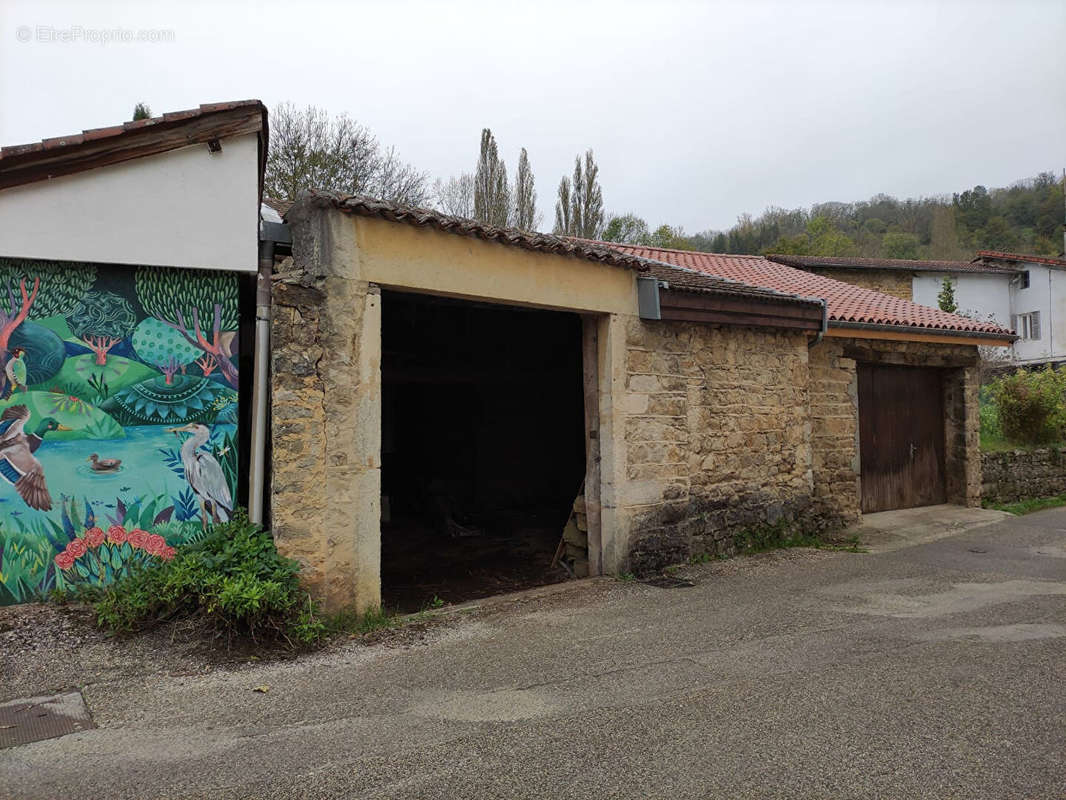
<point x="144" y="474"/>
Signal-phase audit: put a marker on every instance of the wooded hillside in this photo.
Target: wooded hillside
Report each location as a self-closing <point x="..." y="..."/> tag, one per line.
<point x="1025" y="217"/>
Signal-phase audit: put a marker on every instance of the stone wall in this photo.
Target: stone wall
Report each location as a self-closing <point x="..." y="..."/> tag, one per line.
<point x="890" y="281"/>
<point x="717" y="437"/>
<point x="325" y="428"/>
<point x="1021" y="474"/>
<point x="835" y="433"/>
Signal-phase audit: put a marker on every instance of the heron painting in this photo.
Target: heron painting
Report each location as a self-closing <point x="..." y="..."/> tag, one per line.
<point x="204" y="474"/>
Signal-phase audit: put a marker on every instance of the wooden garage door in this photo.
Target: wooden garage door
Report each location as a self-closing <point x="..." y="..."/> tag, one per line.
<point x="901" y="437"/>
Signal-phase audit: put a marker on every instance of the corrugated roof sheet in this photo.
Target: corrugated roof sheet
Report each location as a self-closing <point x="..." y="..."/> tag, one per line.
<point x="846" y="303"/>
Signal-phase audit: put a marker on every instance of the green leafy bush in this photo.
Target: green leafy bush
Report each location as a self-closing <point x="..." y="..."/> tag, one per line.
<point x="234" y="577"/>
<point x="1031" y="406"/>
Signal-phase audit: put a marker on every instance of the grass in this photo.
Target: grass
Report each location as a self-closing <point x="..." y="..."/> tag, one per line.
<point x="992" y="442"/>
<point x="1029" y="505"/>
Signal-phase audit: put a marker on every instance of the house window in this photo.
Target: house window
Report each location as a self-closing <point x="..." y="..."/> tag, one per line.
<point x="1027" y="326"/>
<point x="1023" y="280"/>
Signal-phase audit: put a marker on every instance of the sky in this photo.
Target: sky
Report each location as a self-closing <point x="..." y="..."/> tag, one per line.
<point x="697" y="112"/>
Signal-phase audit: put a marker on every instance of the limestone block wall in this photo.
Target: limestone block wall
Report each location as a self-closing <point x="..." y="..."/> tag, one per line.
<point x="890" y="281"/>
<point x="835" y="433"/>
<point x="717" y="437"/>
<point x="1021" y="474"/>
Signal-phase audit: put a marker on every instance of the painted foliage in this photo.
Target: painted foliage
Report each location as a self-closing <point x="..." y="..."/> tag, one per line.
<point x="118" y="418"/>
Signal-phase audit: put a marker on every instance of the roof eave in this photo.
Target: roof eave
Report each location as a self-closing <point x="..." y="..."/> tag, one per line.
<point x="916" y="332"/>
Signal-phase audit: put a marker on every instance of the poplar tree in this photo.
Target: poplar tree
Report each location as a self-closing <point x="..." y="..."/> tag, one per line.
<point x="492" y="195"/>
<point x="579" y="207"/>
<point x="563" y="209"/>
<point x="525" y="196"/>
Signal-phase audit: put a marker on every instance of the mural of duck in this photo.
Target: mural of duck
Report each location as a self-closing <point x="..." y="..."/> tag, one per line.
<point x="47" y="424"/>
<point x="105" y="464"/>
<point x="15" y="369"/>
<point x="18" y="466"/>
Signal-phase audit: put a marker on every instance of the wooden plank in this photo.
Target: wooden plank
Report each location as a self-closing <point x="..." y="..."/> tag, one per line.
<point x="904" y="336"/>
<point x="965" y="357"/>
<point x="721" y="302"/>
<point x="41" y="165"/>
<point x="901" y="437"/>
<point x="591" y="386"/>
<point x="670" y="314"/>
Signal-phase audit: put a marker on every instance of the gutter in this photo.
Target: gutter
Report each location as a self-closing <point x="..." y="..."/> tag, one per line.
<point x="270" y="235"/>
<point x="825" y="326"/>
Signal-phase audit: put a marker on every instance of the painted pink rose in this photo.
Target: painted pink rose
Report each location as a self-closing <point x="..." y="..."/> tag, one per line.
<point x="138" y="538"/>
<point x="64" y="560"/>
<point x="77" y="548"/>
<point x="168" y="553"/>
<point x="94" y="537"/>
<point x="155" y="544"/>
<point x="116" y="534"/>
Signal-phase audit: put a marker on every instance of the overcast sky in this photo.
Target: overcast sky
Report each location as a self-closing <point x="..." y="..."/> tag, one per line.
<point x="697" y="112"/>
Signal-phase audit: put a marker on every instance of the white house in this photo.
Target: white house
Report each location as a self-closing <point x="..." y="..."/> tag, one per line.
<point x="1037" y="293"/>
<point x="1022" y="292"/>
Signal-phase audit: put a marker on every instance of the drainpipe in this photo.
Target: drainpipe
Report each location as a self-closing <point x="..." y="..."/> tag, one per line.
<point x="261" y="386"/>
<point x="825" y="326"/>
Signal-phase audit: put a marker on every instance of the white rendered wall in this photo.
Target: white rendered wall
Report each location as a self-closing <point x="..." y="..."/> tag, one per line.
<point x="983" y="296"/>
<point x="183" y="208"/>
<point x="1038" y="297"/>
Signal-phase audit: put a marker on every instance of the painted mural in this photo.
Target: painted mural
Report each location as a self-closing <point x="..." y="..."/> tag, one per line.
<point x="118" y="418"/>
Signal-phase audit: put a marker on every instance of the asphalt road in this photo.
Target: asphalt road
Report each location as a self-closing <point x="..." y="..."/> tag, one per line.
<point x="933" y="670"/>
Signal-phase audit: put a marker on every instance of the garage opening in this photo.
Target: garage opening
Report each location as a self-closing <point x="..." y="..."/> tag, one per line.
<point x="901" y="437"/>
<point x="483" y="447"/>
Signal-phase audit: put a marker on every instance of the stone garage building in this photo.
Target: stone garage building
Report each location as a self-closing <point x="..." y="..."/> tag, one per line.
<point x="432" y="367"/>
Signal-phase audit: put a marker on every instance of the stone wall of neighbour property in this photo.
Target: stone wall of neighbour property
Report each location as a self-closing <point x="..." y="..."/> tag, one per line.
<point x="717" y="437"/>
<point x="890" y="281"/>
<point x="1015" y="475"/>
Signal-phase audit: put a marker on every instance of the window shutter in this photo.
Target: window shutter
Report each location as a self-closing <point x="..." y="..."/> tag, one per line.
<point x="1035" y="317"/>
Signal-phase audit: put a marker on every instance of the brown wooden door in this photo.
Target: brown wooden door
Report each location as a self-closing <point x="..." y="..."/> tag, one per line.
<point x="901" y="437"/>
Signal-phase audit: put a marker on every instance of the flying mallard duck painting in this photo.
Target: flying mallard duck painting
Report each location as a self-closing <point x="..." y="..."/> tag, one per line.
<point x="18" y="465"/>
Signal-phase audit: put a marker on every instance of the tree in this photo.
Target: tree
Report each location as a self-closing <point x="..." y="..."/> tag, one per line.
<point x="141" y="111"/>
<point x="899" y="245"/>
<point x="669" y="237"/>
<point x="102" y="320"/>
<point x="492" y="195"/>
<point x="456" y="195"/>
<point x="309" y="149"/>
<point x="49" y="288"/>
<point x="946" y="298"/>
<point x="579" y="207"/>
<point x="563" y="208"/>
<point x="944" y="236"/>
<point x="188" y="303"/>
<point x="525" y="196"/>
<point x="159" y="344"/>
<point x="626" y="229"/>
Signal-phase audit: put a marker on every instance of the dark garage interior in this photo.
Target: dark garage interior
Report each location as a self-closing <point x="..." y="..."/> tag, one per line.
<point x="483" y="448"/>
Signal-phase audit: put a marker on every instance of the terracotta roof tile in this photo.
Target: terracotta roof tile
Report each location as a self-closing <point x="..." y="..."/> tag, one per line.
<point x="679" y="279"/>
<point x="905" y="265"/>
<point x="997" y="255"/>
<point x="847" y="304"/>
<point x="117" y="130"/>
